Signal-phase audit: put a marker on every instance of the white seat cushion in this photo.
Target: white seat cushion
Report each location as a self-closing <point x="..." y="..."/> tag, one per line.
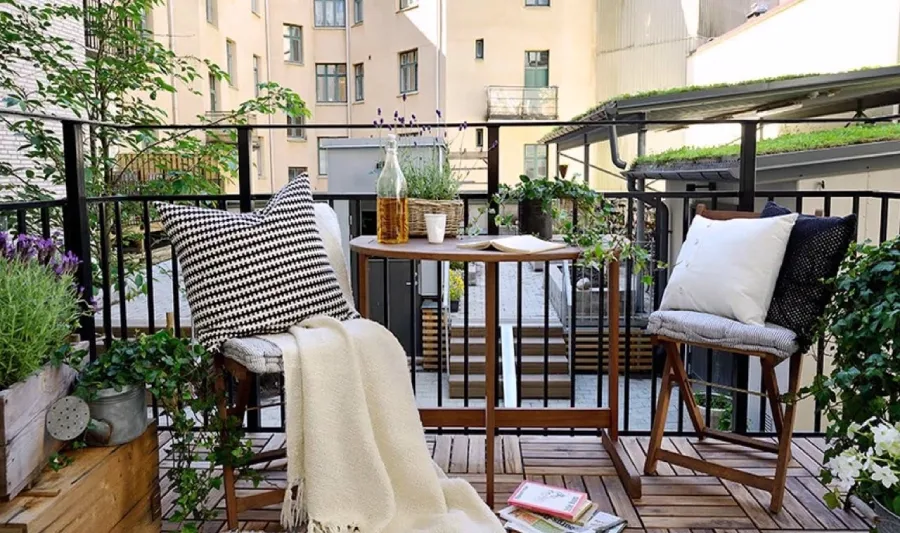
<point x="692" y="327"/>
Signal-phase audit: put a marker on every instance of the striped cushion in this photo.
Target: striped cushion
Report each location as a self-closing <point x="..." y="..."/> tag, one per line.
<point x="693" y="327"/>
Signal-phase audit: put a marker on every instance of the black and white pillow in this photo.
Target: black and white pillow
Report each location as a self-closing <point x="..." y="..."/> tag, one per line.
<point x="814" y="253"/>
<point x="252" y="273"/>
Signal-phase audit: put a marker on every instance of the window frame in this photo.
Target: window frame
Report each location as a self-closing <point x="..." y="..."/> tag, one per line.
<point x="528" y="68"/>
<point x="479" y="48"/>
<point x="212" y="12"/>
<point x="257" y="74"/>
<point x="411" y="69"/>
<point x="408" y="4"/>
<point x="300" y="171"/>
<point x="532" y="161"/>
<point x="337" y="75"/>
<point x="322" y="4"/>
<point x="358" y="12"/>
<point x="537" y="3"/>
<point x="296" y="134"/>
<point x="479" y="137"/>
<point x="289" y="39"/>
<point x="260" y="164"/>
<point x="254" y="7"/>
<point x="231" y="62"/>
<point x="213" y="86"/>
<point x="359" y="82"/>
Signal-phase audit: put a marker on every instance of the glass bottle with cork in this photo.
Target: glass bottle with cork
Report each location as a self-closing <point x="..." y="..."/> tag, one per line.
<point x="392" y="202"/>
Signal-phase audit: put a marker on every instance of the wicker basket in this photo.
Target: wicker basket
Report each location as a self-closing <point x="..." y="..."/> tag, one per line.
<point x="418" y="208"/>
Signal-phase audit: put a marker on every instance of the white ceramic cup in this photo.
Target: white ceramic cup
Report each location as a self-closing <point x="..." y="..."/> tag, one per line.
<point x="436" y="224"/>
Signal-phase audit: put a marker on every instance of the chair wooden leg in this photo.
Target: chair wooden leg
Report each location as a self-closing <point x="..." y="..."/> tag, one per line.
<point x="770" y="383"/>
<point x="659" y="421"/>
<point x="685" y="392"/>
<point x="228" y="481"/>
<point x="786" y="434"/>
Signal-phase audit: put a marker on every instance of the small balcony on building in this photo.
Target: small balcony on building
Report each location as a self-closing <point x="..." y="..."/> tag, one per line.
<point x="508" y="102"/>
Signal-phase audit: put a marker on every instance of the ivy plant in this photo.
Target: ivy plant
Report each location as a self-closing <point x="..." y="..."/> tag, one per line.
<point x="861" y="329"/>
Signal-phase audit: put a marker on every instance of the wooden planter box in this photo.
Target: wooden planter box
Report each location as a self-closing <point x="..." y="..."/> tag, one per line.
<point x="105" y="490"/>
<point x="25" y="445"/>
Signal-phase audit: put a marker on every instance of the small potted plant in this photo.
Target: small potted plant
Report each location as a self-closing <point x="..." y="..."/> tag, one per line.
<point x="40" y="305"/>
<point x="432" y="188"/>
<point x="456" y="289"/>
<point x="535" y="198"/>
<point x="719" y="408"/>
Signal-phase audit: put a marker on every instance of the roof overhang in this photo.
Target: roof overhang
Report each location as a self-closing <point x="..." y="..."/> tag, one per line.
<point x="804" y="97"/>
<point x="792" y="166"/>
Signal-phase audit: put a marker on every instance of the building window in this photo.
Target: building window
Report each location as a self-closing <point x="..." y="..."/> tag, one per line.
<point x="259" y="160"/>
<point x="296" y="172"/>
<point x="537" y="2"/>
<point x="230" y="54"/>
<point x="211" y="11"/>
<point x="323" y="158"/>
<point x="359" y="79"/>
<point x="479" y="138"/>
<point x="296" y="133"/>
<point x="254" y="6"/>
<point x="537" y="68"/>
<point x="329" y="13"/>
<point x="257" y="77"/>
<point x="331" y="82"/>
<point x="213" y="93"/>
<point x="293" y="43"/>
<point x="408" y="3"/>
<point x="479" y="48"/>
<point x="409" y="71"/>
<point x="536" y="161"/>
<point x="357" y="11"/>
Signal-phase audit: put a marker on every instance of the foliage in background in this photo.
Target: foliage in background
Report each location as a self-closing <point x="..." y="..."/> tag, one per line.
<point x="861" y="326"/>
<point x="790" y="142"/>
<point x="718" y="401"/>
<point x="181" y="376"/>
<point x="39" y="304"/>
<point x="126" y="78"/>
<point x="457" y="285"/>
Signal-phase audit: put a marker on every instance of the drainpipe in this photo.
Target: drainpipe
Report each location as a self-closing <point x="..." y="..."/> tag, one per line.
<point x="170" y="17"/>
<point x="269" y="115"/>
<point x="614" y="151"/>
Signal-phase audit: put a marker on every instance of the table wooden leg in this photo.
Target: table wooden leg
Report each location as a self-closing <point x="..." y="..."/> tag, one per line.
<point x="362" y="269"/>
<point x="490" y="374"/>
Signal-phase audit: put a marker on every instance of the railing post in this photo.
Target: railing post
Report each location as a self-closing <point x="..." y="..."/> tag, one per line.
<point x="746" y="202"/>
<point x="493" y="176"/>
<point x="77" y="232"/>
<point x="245" y="167"/>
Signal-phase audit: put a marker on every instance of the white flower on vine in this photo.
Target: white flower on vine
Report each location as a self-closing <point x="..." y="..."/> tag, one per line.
<point x="853" y="429"/>
<point x="884" y="475"/>
<point x="845" y="469"/>
<point x="887" y="440"/>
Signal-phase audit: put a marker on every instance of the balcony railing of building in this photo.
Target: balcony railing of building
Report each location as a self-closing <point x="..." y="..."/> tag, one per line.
<point x="561" y="354"/>
<point x="522" y="103"/>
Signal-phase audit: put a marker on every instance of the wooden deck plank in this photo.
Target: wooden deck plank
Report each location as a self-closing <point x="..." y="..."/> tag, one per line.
<point x="676" y="501"/>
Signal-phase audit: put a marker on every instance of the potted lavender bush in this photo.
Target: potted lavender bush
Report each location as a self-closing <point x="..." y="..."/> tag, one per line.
<point x="41" y="305"/>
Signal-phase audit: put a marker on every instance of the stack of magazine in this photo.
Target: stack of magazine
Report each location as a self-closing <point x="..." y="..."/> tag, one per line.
<point x="538" y="508"/>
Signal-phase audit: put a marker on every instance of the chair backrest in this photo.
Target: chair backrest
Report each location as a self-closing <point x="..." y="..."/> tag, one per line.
<point x="723" y="215"/>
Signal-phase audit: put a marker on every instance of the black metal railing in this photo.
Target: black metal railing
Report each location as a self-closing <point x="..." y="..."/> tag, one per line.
<point x="444" y="359"/>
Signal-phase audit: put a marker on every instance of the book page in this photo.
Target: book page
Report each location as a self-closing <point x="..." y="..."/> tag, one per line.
<point x="525" y="244"/>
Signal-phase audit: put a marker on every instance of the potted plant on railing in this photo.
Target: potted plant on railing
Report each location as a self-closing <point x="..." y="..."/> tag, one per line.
<point x="535" y="198"/>
<point x="456" y="289"/>
<point x="40" y="305"/>
<point x="432" y="188"/>
<point x="861" y="396"/>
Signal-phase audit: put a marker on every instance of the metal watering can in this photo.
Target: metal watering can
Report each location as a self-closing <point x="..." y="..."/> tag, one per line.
<point x="112" y="418"/>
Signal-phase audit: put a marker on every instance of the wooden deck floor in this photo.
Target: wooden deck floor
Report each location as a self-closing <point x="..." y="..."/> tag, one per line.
<point x="675" y="501"/>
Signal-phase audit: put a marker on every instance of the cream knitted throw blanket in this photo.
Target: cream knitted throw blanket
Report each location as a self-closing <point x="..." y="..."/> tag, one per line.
<point x="357" y="458"/>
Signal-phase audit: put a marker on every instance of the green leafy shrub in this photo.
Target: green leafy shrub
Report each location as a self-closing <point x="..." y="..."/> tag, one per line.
<point x="457" y="285"/>
<point x="39" y="304"/>
<point x="861" y="327"/>
<point x="430" y="179"/>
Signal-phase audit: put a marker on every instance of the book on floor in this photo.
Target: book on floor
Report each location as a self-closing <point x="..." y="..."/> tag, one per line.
<point x="517" y="244"/>
<point x="554" y="501"/>
<point x="526" y="521"/>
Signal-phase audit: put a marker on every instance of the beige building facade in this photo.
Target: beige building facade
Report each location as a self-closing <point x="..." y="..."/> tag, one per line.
<point x="519" y="60"/>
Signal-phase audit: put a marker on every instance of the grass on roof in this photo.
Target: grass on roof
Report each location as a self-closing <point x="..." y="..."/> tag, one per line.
<point x="792" y="142"/>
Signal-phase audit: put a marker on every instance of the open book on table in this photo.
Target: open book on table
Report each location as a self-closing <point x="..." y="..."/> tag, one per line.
<point x="517" y="244"/>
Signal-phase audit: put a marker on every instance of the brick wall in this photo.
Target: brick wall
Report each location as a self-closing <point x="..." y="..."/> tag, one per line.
<point x="71" y="30"/>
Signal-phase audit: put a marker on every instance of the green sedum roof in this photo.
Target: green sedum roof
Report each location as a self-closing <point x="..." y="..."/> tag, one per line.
<point x="791" y="142"/>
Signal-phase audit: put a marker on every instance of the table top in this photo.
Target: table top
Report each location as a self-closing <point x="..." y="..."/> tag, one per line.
<point x="448" y="251"/>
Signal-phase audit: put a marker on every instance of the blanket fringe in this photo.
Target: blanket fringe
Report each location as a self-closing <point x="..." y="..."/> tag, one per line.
<point x="294" y="513"/>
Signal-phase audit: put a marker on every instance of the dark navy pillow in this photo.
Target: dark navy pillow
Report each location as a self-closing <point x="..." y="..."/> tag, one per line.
<point x="814" y="253"/>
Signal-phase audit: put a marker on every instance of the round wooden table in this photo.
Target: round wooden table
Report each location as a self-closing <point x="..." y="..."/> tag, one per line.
<point x="491" y="417"/>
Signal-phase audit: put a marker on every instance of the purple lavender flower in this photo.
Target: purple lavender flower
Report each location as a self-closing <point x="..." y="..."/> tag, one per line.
<point x="402" y="120"/>
<point x="379" y="111"/>
<point x="437" y="112"/>
<point x="494" y="145"/>
<point x="381" y="121"/>
<point x="413" y="117"/>
<point x="396" y="114"/>
<point x="404" y="97"/>
<point x="375" y="122"/>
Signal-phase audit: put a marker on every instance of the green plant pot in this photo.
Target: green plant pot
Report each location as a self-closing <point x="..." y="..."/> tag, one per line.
<point x="534" y="220"/>
<point x="887" y="522"/>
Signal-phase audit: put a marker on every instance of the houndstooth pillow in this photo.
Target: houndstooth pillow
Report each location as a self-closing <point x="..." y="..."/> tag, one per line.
<point x="814" y="253"/>
<point x="252" y="273"/>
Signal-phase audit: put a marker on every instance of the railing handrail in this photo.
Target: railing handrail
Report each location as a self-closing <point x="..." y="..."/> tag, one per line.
<point x="516" y="87"/>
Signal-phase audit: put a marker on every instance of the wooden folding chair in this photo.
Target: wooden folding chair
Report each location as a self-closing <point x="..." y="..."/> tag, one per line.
<point x="674" y="373"/>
